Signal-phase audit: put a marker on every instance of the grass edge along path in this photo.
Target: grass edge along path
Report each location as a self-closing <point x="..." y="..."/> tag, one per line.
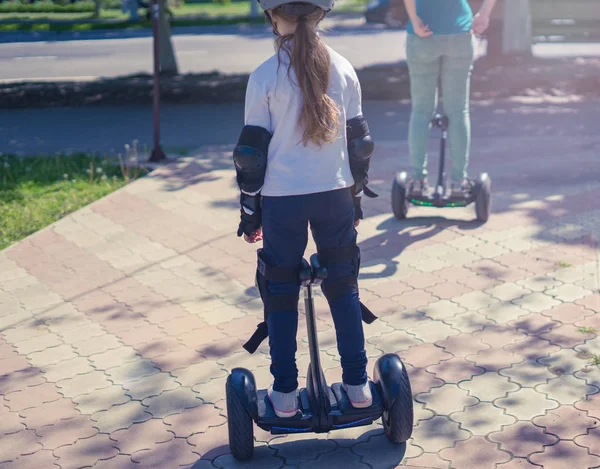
<point x="37" y="191"/>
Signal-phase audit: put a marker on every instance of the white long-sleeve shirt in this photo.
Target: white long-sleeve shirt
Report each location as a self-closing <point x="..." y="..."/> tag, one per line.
<point x="274" y="103"/>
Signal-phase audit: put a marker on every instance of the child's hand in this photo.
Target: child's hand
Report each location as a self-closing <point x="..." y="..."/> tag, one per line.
<point x="480" y="23"/>
<point x="254" y="237"/>
<point x="421" y="29"/>
<point x="356" y="223"/>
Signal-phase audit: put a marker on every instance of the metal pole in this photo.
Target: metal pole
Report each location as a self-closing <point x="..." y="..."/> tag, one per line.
<point x="157" y="152"/>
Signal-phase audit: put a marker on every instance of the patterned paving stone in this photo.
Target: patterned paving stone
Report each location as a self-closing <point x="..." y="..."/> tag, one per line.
<point x="462" y="345"/>
<point x="37" y="344"/>
<point x="141" y="436"/>
<point x="421" y="380"/>
<point x="522" y="439"/>
<point x="508" y="291"/>
<point x="428" y="460"/>
<point x="525" y="404"/>
<point x="172" y="402"/>
<point x="102" y="399"/>
<point x="97" y="345"/>
<point x="431" y="331"/>
<point x="566" y="336"/>
<point x="537" y="302"/>
<point x="378" y="451"/>
<point x="494" y="359"/>
<point x="566" y="361"/>
<point x="539" y="283"/>
<point x="474" y="452"/>
<point x="568" y="313"/>
<point x="131" y="371"/>
<point x="120" y="416"/>
<point x="67" y="369"/>
<point x="265" y="458"/>
<point x="488" y="387"/>
<point x="591" y="404"/>
<point x="66" y="432"/>
<point x="196" y="420"/>
<point x="469" y="322"/>
<point x="212" y="392"/>
<point x="394" y="342"/>
<point x="564" y="454"/>
<point x="51" y="356"/>
<point x="446" y="399"/>
<point x="297" y="449"/>
<point x="482" y="418"/>
<point x="10" y="422"/>
<point x="455" y="370"/>
<point x="438" y="433"/>
<point x="424" y="355"/>
<point x="414" y="299"/>
<point x="49" y="414"/>
<point x="532" y="348"/>
<point x="443" y="309"/>
<point x="534" y="324"/>
<point x="391" y="288"/>
<point x="504" y="313"/>
<point x="118" y="462"/>
<point x="591" y="441"/>
<point x="32" y="396"/>
<point x="475" y="300"/>
<point x="113" y="358"/>
<point x="566" y="422"/>
<point x="84" y="332"/>
<point x="14" y="445"/>
<point x="86" y="452"/>
<point x="498" y="336"/>
<point x="201" y="372"/>
<point x="568" y="292"/>
<point x="40" y="459"/>
<point x="566" y="389"/>
<point x="212" y="443"/>
<point x="83" y="384"/>
<point x="528" y="373"/>
<point x="150" y="386"/>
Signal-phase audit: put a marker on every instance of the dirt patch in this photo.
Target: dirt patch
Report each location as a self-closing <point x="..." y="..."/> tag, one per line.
<point x="491" y="79"/>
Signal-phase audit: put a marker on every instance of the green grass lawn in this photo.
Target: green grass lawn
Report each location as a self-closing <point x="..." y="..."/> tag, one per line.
<point x="37" y="191"/>
<point x="183" y="14"/>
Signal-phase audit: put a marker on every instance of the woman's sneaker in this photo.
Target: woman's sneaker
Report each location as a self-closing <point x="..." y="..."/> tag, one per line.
<point x="360" y="396"/>
<point x="285" y="404"/>
<point x="418" y="187"/>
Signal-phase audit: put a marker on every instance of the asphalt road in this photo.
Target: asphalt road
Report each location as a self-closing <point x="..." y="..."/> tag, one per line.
<point x="187" y="127"/>
<point x="227" y="49"/>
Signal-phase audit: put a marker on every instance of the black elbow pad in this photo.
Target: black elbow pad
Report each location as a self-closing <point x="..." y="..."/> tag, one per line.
<point x="360" y="149"/>
<point x="250" y="158"/>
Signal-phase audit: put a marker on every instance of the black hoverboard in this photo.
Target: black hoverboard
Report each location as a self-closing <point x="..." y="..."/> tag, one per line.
<point x="480" y="192"/>
<point x="321" y="408"/>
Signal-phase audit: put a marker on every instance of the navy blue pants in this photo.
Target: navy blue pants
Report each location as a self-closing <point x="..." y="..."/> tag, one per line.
<point x="285" y="235"/>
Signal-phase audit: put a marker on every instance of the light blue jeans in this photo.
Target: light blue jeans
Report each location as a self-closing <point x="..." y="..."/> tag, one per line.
<point x="445" y="60"/>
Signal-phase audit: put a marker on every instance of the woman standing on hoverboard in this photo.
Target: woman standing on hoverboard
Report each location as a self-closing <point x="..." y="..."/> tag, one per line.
<point x="303" y="157"/>
<point x="440" y="48"/>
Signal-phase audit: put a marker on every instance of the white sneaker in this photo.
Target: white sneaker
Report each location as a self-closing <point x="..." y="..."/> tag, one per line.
<point x="285" y="404"/>
<point x="360" y="396"/>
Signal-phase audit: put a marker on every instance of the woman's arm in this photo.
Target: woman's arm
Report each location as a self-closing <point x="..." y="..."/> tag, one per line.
<point x="481" y="21"/>
<point x="421" y="29"/>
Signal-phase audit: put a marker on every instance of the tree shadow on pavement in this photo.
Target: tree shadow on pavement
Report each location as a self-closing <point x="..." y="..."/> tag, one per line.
<point x="395" y="237"/>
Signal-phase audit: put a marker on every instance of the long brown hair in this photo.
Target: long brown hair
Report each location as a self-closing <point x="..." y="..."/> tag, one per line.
<point x="311" y="62"/>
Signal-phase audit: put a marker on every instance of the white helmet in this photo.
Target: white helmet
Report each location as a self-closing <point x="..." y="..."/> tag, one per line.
<point x="296" y="8"/>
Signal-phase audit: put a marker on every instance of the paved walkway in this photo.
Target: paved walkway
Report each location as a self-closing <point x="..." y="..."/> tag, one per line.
<point x="120" y="323"/>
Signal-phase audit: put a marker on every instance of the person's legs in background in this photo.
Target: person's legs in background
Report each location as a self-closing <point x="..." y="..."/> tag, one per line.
<point x="332" y="225"/>
<point x="457" y="63"/>
<point x="423" y="58"/>
<point x="285" y="235"/>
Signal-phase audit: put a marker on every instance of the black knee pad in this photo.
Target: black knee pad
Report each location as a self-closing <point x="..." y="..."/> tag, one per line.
<point x="264" y="274"/>
<point x="340" y="287"/>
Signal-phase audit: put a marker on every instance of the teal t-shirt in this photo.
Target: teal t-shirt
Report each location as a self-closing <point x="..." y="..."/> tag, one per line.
<point x="444" y="16"/>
